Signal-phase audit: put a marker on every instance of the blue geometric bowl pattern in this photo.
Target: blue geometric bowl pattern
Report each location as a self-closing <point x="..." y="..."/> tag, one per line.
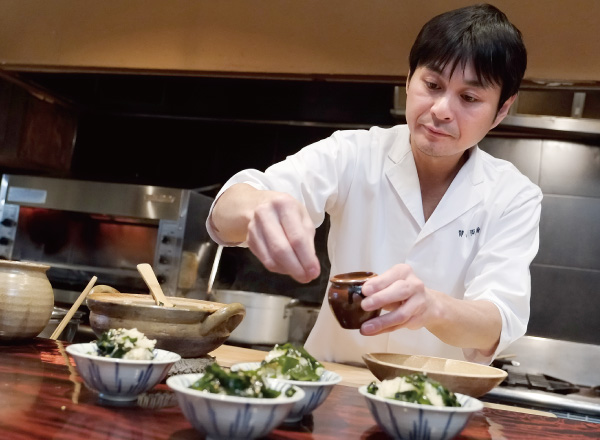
<point x="120" y="379"/>
<point x="413" y="421"/>
<point x="230" y="417"/>
<point x="315" y="392"/>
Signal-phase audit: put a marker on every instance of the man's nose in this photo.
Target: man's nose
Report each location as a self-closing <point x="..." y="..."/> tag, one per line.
<point x="442" y="108"/>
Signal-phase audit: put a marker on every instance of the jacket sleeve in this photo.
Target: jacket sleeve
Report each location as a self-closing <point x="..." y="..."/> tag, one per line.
<point x="500" y="271"/>
<point x="314" y="175"/>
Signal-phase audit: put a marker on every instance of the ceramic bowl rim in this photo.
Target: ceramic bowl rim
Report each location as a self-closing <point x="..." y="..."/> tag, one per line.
<point x="474" y="404"/>
<point x="238" y="400"/>
<point x="23" y="264"/>
<point x="146" y="302"/>
<point x="162" y="356"/>
<point x="336" y="378"/>
<point x="495" y="373"/>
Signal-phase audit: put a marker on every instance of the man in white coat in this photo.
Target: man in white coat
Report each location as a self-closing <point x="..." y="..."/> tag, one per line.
<point x="450" y="230"/>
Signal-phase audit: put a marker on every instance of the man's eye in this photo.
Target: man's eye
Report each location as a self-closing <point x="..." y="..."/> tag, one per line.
<point x="469" y="98"/>
<point x="431" y="85"/>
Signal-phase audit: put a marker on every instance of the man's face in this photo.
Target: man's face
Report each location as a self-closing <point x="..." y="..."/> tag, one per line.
<point x="447" y="115"/>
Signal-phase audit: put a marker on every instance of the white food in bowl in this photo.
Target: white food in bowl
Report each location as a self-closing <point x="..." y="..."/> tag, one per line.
<point x="133" y="343"/>
<point x="120" y="379"/>
<point x="315" y="391"/>
<point x="213" y="414"/>
<point x="416" y="421"/>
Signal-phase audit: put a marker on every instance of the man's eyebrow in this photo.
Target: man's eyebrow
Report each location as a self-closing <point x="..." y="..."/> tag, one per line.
<point x="476" y="82"/>
<point x="470" y="82"/>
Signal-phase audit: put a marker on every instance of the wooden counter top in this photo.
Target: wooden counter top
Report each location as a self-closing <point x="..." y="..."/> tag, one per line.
<point x="43" y="397"/>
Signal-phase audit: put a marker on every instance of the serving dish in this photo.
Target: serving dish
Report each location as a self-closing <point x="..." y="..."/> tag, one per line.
<point x="219" y="416"/>
<point x="315" y="392"/>
<point x="120" y="379"/>
<point x="405" y="420"/>
<point x="192" y="328"/>
<point x="458" y="376"/>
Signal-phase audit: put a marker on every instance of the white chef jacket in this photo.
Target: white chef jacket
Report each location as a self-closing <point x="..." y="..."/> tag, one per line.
<point x="477" y="245"/>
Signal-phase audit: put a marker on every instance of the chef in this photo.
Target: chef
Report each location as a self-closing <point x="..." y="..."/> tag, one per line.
<point x="450" y="230"/>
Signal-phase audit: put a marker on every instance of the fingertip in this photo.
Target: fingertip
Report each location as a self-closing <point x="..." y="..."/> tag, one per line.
<point x="366" y="290"/>
<point x="368" y="329"/>
<point x="314" y="272"/>
<point x="367" y="304"/>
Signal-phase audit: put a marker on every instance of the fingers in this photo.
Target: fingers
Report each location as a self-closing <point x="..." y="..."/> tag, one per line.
<point x="399" y="291"/>
<point x="389" y="289"/>
<point x="380" y="282"/>
<point x="403" y="316"/>
<point x="281" y="235"/>
<point x="301" y="237"/>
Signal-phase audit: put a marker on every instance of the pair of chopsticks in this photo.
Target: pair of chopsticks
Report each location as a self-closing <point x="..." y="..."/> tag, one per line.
<point x="73" y="309"/>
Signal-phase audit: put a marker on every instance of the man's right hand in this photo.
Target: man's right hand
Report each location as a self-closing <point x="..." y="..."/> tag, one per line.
<point x="276" y="226"/>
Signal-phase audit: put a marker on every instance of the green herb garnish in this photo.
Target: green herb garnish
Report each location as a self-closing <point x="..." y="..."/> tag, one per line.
<point x="117" y="343"/>
<point x="235" y="383"/>
<point x="293" y="363"/>
<point x="420" y="392"/>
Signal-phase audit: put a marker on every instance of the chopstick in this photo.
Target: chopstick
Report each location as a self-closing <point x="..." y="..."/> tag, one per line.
<point x="213" y="271"/>
<point x="73" y="309"/>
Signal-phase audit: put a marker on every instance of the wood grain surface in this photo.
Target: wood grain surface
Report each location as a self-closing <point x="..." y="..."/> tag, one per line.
<point x="43" y="397"/>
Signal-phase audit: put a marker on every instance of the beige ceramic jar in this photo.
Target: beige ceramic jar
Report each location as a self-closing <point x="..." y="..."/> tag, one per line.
<point x="26" y="299"/>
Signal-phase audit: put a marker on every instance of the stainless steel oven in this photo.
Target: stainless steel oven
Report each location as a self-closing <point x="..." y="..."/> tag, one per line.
<point x="562" y="377"/>
<point x="86" y="228"/>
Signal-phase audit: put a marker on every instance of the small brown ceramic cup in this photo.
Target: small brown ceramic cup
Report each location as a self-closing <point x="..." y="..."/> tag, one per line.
<point x="345" y="296"/>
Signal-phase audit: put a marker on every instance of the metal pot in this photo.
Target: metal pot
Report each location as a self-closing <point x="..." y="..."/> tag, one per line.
<point x="70" y="330"/>
<point x="267" y="318"/>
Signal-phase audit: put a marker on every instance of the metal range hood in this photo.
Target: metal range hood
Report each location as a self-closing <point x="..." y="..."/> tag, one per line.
<point x="551" y="108"/>
<point x="553" y="124"/>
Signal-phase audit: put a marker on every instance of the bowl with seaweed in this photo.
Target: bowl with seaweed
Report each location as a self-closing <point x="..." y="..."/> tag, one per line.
<point x="418" y="407"/>
<point x="292" y="364"/>
<point x="211" y="400"/>
<point x="121" y="364"/>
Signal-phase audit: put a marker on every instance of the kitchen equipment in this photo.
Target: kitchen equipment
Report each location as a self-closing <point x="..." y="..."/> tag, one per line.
<point x="26" y="299"/>
<point x="267" y="319"/>
<point x="63" y="323"/>
<point x="192" y="328"/>
<point x="345" y="296"/>
<point x="553" y="375"/>
<point x="70" y="329"/>
<point x="85" y="228"/>
<point x="150" y="278"/>
<point x="458" y="376"/>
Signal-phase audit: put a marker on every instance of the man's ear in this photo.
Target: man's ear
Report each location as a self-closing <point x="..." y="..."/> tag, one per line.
<point x="504" y="110"/>
<point x="407" y="81"/>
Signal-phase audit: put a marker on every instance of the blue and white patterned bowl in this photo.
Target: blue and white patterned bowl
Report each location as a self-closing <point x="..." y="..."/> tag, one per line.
<point x="404" y="420"/>
<point x="120" y="379"/>
<point x="230" y="417"/>
<point x="315" y="392"/>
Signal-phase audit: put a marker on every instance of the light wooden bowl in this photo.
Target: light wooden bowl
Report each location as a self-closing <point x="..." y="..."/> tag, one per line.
<point x="458" y="376"/>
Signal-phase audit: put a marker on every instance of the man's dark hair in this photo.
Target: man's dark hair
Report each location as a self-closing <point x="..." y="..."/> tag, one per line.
<point x="480" y="34"/>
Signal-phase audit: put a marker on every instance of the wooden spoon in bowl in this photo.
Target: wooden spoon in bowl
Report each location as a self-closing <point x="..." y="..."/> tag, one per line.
<point x="150" y="278"/>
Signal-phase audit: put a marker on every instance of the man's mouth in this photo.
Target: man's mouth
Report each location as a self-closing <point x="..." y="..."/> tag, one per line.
<point x="436" y="131"/>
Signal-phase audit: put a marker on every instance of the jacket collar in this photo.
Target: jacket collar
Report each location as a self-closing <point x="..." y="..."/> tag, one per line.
<point x="464" y="192"/>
